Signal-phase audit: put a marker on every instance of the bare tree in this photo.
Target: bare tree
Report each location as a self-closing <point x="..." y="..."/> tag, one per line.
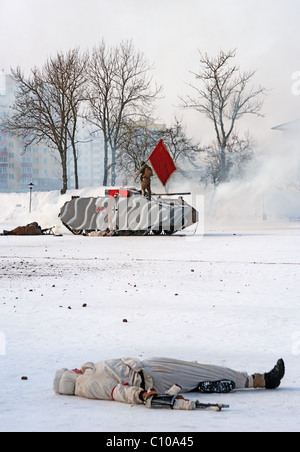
<point x="47" y="104"/>
<point x="140" y="139"/>
<point x="181" y="148"/>
<point x="120" y="91"/>
<point x="224" y="96"/>
<point x="239" y="154"/>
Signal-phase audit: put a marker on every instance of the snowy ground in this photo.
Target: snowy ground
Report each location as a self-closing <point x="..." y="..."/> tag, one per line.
<point x="230" y="298"/>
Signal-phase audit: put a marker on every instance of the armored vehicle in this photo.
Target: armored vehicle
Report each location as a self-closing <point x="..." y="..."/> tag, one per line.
<point x="124" y="211"/>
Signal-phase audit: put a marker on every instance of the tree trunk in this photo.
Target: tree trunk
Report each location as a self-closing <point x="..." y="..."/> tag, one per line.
<point x="113" y="167"/>
<point x="75" y="168"/>
<point x="223" y="169"/>
<point x="105" y="177"/>
<point x="64" y="174"/>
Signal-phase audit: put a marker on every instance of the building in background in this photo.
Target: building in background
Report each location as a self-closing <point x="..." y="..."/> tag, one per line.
<point x="90" y="161"/>
<point x="39" y="164"/>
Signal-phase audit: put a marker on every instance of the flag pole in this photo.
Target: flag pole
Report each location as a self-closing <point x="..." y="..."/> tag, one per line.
<point x="166" y="188"/>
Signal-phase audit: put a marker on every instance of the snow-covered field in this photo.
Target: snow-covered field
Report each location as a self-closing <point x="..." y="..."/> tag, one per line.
<point x="230" y="297"/>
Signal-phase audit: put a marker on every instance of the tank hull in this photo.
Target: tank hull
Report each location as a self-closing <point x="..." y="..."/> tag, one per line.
<point x="131" y="214"/>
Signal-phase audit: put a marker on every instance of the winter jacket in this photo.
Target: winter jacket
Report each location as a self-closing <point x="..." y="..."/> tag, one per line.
<point x="122" y="380"/>
<point x="147" y="173"/>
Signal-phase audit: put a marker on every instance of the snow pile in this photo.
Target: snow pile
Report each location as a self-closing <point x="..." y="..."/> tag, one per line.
<point x="45" y="206"/>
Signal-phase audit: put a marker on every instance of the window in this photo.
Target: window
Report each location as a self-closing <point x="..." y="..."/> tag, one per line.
<point x="26" y="159"/>
<point x="26" y="180"/>
<point x="26" y="170"/>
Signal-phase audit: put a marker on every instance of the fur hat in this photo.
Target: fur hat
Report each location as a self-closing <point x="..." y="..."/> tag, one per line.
<point x="65" y="381"/>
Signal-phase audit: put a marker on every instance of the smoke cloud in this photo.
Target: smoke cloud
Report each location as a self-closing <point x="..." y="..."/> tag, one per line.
<point x="270" y="189"/>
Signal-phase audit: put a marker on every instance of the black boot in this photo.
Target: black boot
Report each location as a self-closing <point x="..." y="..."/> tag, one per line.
<point x="274" y="377"/>
<point x="220" y="387"/>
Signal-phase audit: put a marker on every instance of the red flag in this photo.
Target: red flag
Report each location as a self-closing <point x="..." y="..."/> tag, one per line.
<point x="162" y="162"/>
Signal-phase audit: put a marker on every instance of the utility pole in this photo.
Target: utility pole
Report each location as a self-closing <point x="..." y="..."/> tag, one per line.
<point x="30" y="186"/>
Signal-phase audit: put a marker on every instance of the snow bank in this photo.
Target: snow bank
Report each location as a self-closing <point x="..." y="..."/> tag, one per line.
<point x="14" y="207"/>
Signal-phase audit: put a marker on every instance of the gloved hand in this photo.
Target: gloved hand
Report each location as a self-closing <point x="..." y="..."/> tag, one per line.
<point x="154" y="400"/>
<point x="144" y="395"/>
<point x="184" y="404"/>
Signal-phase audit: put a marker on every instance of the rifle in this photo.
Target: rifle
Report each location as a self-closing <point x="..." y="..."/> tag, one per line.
<point x="213" y="406"/>
<point x="168" y="401"/>
<point x="171" y="194"/>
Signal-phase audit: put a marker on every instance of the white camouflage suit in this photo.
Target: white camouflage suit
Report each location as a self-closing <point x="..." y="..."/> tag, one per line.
<point x="124" y="379"/>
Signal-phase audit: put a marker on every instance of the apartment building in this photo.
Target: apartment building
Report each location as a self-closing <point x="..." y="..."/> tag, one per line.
<point x="90" y="161"/>
<point x="38" y="164"/>
<point x="20" y="167"/>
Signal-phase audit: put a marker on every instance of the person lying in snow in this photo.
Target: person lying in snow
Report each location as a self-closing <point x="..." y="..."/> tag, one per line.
<point x="130" y="380"/>
<point x="30" y="229"/>
<point x="33" y="229"/>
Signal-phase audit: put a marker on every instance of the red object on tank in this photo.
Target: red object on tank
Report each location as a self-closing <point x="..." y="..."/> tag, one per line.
<point x="121" y="193"/>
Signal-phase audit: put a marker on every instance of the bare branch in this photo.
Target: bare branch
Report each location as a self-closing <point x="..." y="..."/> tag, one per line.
<point x="223" y="95"/>
<point x="47" y="104"/>
<point x="120" y="92"/>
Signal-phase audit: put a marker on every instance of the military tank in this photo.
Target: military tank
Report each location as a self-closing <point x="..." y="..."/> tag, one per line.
<point x="125" y="211"/>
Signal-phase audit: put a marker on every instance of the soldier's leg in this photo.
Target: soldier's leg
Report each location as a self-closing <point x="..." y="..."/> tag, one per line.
<point x="192" y="376"/>
<point x="143" y="187"/>
<point x="269" y="380"/>
<point x="8" y="232"/>
<point x="189" y="375"/>
<point x="149" y="190"/>
<point x="21" y="230"/>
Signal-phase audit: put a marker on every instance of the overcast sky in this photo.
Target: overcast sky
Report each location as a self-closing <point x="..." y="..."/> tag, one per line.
<point x="169" y="33"/>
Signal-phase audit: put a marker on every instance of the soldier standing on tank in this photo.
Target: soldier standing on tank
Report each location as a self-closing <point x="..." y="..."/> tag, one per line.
<point x="146" y="173"/>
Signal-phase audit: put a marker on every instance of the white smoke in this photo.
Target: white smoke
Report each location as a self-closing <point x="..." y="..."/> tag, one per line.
<point x="270" y="189"/>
